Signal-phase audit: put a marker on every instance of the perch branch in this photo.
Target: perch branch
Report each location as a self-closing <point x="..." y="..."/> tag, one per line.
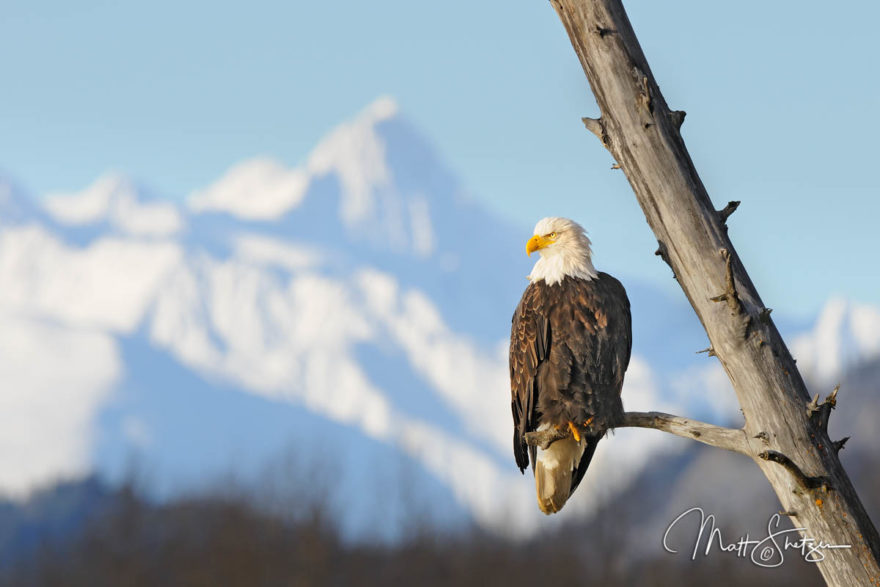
<point x="726" y="438"/>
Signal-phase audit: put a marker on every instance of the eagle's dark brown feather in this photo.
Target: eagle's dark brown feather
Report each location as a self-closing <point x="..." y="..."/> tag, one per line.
<point x="570" y="345"/>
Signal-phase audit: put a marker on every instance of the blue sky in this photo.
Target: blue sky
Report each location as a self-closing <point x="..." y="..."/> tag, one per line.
<point x="781" y="100"/>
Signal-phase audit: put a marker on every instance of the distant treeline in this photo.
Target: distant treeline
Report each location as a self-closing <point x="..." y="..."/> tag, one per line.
<point x="222" y="539"/>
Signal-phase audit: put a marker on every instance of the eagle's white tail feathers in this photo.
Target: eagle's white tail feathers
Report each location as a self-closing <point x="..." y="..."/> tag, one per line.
<point x="553" y="471"/>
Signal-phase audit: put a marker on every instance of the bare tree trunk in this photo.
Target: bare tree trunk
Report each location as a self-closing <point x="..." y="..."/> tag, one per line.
<point x="785" y="433"/>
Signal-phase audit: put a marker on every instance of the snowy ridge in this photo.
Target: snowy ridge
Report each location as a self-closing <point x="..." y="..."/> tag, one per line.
<point x="259" y="189"/>
<point x="114" y="199"/>
<point x="845" y="334"/>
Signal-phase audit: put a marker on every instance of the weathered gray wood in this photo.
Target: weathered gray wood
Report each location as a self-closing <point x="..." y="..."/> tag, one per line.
<point x="727" y="438"/>
<point x="717" y="436"/>
<point x="642" y="134"/>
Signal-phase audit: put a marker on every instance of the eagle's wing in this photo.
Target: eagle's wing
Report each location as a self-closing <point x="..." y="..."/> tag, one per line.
<point x="600" y="349"/>
<point x="529" y="347"/>
<point x="598" y="341"/>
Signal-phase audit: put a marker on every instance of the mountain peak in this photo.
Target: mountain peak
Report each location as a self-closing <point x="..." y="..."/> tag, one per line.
<point x="355" y="152"/>
<point x="382" y="108"/>
<point x="374" y="177"/>
<point x="264" y="189"/>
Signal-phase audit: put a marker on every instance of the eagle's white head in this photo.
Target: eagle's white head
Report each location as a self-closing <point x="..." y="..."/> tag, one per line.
<point x="564" y="249"/>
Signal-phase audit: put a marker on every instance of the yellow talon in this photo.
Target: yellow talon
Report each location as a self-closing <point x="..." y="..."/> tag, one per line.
<point x="589" y="421"/>
<point x="574" y="431"/>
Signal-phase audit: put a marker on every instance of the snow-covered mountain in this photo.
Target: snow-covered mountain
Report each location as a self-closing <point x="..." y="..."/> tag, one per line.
<point x="845" y="334"/>
<point x="348" y="316"/>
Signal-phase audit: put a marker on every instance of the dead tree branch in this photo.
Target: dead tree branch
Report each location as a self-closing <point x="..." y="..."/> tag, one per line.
<point x="821" y="413"/>
<point x="729" y="209"/>
<point x="717" y="436"/>
<point x="805" y="482"/>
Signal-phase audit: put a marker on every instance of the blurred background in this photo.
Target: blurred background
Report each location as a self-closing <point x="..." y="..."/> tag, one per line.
<point x="258" y="263"/>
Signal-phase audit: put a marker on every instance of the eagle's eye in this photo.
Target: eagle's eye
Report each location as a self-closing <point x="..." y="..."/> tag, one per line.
<point x="552" y="235"/>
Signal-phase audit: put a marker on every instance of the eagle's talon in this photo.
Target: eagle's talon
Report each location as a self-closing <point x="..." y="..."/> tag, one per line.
<point x="574" y="431"/>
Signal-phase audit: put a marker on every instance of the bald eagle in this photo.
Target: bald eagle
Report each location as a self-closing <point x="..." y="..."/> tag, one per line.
<point x="569" y="348"/>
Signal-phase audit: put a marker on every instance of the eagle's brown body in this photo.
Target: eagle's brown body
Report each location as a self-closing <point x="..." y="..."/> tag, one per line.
<point x="569" y="348"/>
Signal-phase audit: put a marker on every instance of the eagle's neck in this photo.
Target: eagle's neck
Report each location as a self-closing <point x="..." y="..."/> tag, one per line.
<point x="554" y="267"/>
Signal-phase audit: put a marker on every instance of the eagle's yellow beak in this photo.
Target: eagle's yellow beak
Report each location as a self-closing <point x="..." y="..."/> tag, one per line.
<point x="535" y="243"/>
